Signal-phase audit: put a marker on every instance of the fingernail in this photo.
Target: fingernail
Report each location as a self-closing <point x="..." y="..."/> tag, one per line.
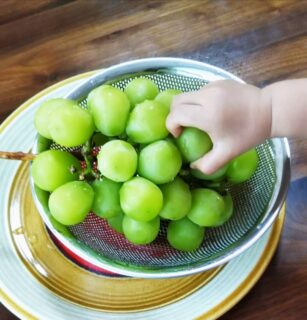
<point x="193" y="165"/>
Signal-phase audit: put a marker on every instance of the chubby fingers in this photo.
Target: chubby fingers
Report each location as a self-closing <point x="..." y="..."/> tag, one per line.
<point x="191" y="98"/>
<point x="182" y="115"/>
<point x="185" y="115"/>
<point x="213" y="160"/>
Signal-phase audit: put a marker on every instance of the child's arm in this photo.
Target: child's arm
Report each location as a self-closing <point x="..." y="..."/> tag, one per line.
<point x="239" y="116"/>
<point x="289" y="108"/>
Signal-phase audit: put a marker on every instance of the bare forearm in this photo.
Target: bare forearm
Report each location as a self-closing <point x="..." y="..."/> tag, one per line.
<point x="288" y="100"/>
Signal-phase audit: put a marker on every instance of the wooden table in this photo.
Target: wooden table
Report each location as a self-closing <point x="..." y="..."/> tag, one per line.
<point x="45" y="41"/>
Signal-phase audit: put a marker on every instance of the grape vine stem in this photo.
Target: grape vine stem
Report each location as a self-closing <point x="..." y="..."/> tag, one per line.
<point x="17" y="156"/>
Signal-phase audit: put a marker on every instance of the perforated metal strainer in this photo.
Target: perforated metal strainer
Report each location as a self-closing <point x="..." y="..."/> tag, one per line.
<point x="256" y="202"/>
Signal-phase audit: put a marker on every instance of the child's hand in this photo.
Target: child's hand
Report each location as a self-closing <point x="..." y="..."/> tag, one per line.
<point x="236" y="116"/>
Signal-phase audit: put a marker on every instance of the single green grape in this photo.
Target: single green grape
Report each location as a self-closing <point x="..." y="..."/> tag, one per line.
<point x="53" y="168"/>
<point x="207" y="208"/>
<point x="216" y="176"/>
<point x="228" y="211"/>
<point x="193" y="144"/>
<point x="110" y="108"/>
<point x="70" y="125"/>
<point x="117" y="160"/>
<point x="177" y="200"/>
<point x="146" y="122"/>
<point x="42" y="114"/>
<point x="243" y="167"/>
<point x="43" y="198"/>
<point x="70" y="203"/>
<point x="116" y="223"/>
<point x="185" y="235"/>
<point x="141" y="232"/>
<point x="141" y="89"/>
<point x="140" y="199"/>
<point x="165" y="97"/>
<point x="159" y="162"/>
<point x="106" y="201"/>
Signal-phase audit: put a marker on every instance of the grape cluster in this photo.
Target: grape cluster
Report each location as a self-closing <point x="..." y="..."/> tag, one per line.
<point x="129" y="170"/>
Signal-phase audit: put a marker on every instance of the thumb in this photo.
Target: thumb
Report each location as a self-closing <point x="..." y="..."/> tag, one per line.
<point x="213" y="160"/>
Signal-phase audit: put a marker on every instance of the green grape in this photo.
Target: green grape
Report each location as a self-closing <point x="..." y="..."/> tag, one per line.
<point x="193" y="144"/>
<point x="242" y="167"/>
<point x="207" y="208"/>
<point x="216" y="176"/>
<point x="140" y="199"/>
<point x="43" y="198"/>
<point x="141" y="89"/>
<point x="165" y="97"/>
<point x="117" y="160"/>
<point x="70" y="203"/>
<point x="147" y="122"/>
<point x="185" y="235"/>
<point x="43" y="113"/>
<point x="141" y="232"/>
<point x="106" y="201"/>
<point x="70" y="125"/>
<point x="177" y="200"/>
<point x="110" y="108"/>
<point x="159" y="162"/>
<point x="52" y="168"/>
<point x="228" y="211"/>
<point x="116" y="223"/>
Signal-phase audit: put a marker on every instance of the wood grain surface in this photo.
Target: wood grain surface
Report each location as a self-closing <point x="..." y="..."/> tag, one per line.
<point x="45" y="41"/>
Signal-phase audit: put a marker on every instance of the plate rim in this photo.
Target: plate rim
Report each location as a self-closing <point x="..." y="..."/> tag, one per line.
<point x="224" y="306"/>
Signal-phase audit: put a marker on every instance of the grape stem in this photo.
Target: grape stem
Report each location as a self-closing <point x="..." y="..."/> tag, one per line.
<point x="17" y="156"/>
<point x="89" y="171"/>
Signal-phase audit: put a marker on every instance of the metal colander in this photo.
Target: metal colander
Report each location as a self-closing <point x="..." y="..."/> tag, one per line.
<point x="256" y="202"/>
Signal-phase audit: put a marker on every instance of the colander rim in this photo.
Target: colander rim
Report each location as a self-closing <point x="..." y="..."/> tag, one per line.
<point x="195" y="69"/>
